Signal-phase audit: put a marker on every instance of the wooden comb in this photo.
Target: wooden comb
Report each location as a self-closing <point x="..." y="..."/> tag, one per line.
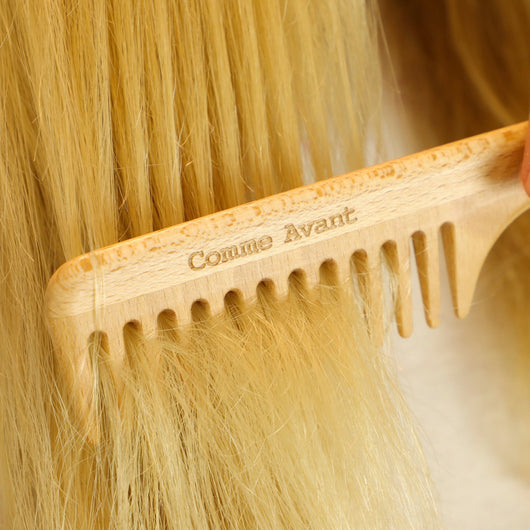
<point x="468" y="190"/>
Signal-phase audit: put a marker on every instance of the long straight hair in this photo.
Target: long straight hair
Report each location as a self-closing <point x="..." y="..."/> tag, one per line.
<point x="118" y="118"/>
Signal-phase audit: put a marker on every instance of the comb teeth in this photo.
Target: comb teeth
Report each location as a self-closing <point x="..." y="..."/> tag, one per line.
<point x="465" y="189"/>
<point x="428" y="263"/>
<point x="367" y="271"/>
<point x="398" y="255"/>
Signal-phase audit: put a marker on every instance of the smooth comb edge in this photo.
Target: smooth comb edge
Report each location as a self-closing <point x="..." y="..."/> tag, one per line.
<point x="466" y="189"/>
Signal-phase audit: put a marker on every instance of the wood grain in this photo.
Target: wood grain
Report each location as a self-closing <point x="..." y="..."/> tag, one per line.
<point x="468" y="190"/>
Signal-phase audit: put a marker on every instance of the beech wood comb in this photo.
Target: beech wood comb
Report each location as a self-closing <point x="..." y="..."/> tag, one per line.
<point x="468" y="190"/>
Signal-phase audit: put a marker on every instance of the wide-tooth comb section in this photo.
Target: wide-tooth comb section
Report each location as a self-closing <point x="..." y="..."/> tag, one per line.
<point x="428" y="263"/>
<point x="467" y="189"/>
<point x="465" y="247"/>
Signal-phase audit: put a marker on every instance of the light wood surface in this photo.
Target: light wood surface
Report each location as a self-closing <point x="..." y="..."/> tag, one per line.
<point x="467" y="190"/>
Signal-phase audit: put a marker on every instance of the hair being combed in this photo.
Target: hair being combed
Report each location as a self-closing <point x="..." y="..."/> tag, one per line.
<point x="267" y="416"/>
<point x="118" y="118"/>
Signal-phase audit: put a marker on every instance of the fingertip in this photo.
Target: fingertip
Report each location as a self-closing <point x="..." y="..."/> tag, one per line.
<point x="525" y="167"/>
<point x="526" y="184"/>
<point x="524" y="175"/>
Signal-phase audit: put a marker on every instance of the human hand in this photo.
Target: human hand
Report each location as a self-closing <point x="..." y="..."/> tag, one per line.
<point x="525" y="168"/>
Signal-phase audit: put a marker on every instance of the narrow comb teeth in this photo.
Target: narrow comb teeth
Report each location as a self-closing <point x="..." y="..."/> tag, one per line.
<point x="428" y="262"/>
<point x="343" y="269"/>
<point x="312" y="276"/>
<point x="115" y="340"/>
<point x="281" y="284"/>
<point x="368" y="272"/>
<point x="216" y="303"/>
<point x="461" y="252"/>
<point x="375" y="292"/>
<point x="151" y="328"/>
<point x="149" y="323"/>
<point x="116" y="354"/>
<point x="182" y="312"/>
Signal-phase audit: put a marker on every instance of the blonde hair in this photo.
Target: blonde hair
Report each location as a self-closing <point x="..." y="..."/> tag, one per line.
<point x="118" y="118"/>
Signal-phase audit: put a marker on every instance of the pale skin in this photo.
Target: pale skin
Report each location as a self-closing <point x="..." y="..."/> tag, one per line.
<point x="525" y="168"/>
